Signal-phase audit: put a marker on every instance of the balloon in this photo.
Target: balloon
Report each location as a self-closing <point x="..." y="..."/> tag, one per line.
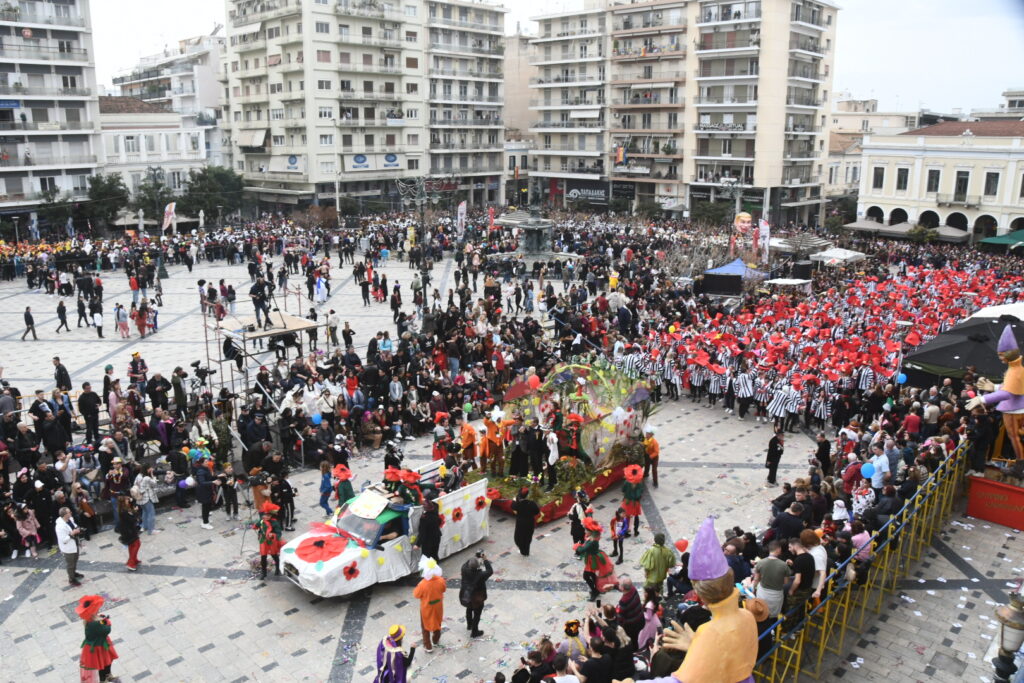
<point x="970" y="394"/>
<point x="182" y="484"/>
<point x="190" y="482"/>
<point x="671" y="329"/>
<point x="867" y="471"/>
<point x="534" y="381"/>
<point x="467" y="408"/>
<point x="682" y="544"/>
<point x="317" y="419"/>
<point x="901" y="378"/>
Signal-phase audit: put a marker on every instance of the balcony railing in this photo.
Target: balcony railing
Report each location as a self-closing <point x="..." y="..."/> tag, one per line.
<point x="571" y="78"/>
<point x="69" y="159"/>
<point x="717" y="99"/>
<point x="483" y="144"/>
<point x="579" y="123"/>
<point x="44" y="91"/>
<point x="800" y="179"/>
<point x="570" y="148"/>
<point x="727" y="44"/>
<point x="653" y="100"/>
<point x="712" y="127"/>
<point x="365" y="8"/>
<point x="369" y="41"/>
<point x="47" y="125"/>
<point x="803" y="101"/>
<point x="375" y="68"/>
<point x="271" y="10"/>
<point x="465" y="23"/>
<point x="660" y="151"/>
<point x="627" y="25"/>
<point x="802" y="129"/>
<point x="807" y="46"/>
<point x="471" y="168"/>
<point x="740" y="153"/>
<point x="378" y="95"/>
<point x="470" y="73"/>
<point x="718" y="178"/>
<point x="654" y="127"/>
<point x="244" y="46"/>
<point x="806" y="18"/>
<point x="269" y="175"/>
<point x="482" y="99"/>
<point x="648" y="51"/>
<point x="580" y="32"/>
<point x="958" y="199"/>
<point x="23" y="17"/>
<point x="33" y="52"/>
<point x="652" y="76"/>
<point x="459" y="123"/>
<point x="722" y="73"/>
<point x="810" y="74"/>
<point x="392" y="121"/>
<point x="573" y="102"/>
<point x="475" y="49"/>
<point x="565" y="57"/>
<point x="726" y="13"/>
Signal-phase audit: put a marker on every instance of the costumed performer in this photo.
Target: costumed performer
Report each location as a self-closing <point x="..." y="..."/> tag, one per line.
<point x="268" y="531"/>
<point x="430" y="592"/>
<point x="392" y="661"/>
<point x="98" y="652"/>
<point x="632" y="492"/>
<point x="1008" y="399"/>
<point x="598" y="570"/>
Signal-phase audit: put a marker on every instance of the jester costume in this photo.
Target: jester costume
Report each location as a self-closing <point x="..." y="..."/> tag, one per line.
<point x="632" y="492"/>
<point x="392" y="661"/>
<point x="98" y="652"/>
<point x="268" y="531"/>
<point x="344" y="488"/>
<point x="598" y="570"/>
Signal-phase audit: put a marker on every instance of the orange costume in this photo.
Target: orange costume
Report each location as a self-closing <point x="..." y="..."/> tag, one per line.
<point x="493" y="450"/>
<point x="467" y="436"/>
<point x="430" y="592"/>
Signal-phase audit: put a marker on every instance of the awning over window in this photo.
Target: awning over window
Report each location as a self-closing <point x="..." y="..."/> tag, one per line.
<point x="249" y="28"/>
<point x="585" y="114"/>
<point x="253" y="138"/>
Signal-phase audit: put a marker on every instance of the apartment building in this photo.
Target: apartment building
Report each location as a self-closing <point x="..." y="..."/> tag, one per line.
<point x="1010" y="109"/>
<point x="362" y="93"/>
<point x="183" y="79"/>
<point x="685" y="102"/>
<point x="967" y="175"/>
<point x="466" y="98"/>
<point x="570" y="97"/>
<point x="518" y="74"/>
<point x="862" y="116"/>
<point x="138" y="135"/>
<point x="48" y="104"/>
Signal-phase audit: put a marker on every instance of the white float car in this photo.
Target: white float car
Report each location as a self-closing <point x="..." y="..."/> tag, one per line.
<point x="347" y="555"/>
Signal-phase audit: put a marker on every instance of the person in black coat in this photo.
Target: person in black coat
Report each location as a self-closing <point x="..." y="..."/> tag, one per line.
<point x="775" y="448"/>
<point x="526" y="512"/>
<point x="473" y="593"/>
<point x="205" y="483"/>
<point x="429" y="535"/>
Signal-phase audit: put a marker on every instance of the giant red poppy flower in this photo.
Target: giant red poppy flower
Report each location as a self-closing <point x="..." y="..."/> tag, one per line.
<point x="493" y="493"/>
<point x="350" y="571"/>
<point x="457" y="515"/>
<point x="481" y="503"/>
<point x="320" y="548"/>
<point x="634" y="474"/>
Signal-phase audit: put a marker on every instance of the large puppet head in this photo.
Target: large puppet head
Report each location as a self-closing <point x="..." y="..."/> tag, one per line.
<point x="710" y="573"/>
<point x="1007" y="348"/>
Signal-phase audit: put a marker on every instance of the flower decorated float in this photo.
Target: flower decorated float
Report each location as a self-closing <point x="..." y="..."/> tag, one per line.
<point x="369" y="539"/>
<point x="598" y="413"/>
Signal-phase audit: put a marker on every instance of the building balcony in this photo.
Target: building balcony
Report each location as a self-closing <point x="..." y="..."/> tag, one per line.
<point x="251" y="98"/>
<point x="272" y="9"/>
<point x="803" y="101"/>
<point x="567" y="35"/>
<point x="800" y="155"/>
<point x="566" y="58"/>
<point x="595" y="125"/>
<point x="635" y="27"/>
<point x="570" y="172"/>
<point x="370" y="41"/>
<point x="636" y="54"/>
<point x="379" y="122"/>
<point x="725" y="13"/>
<point x="496" y="50"/>
<point x="670" y="78"/>
<point x="699" y="153"/>
<point x="290" y="67"/>
<point x="276" y="177"/>
<point x="490" y="74"/>
<point x="710" y="74"/>
<point x="812" y="47"/>
<point x="466" y="24"/>
<point x="375" y="68"/>
<point x="366" y="8"/>
<point x="250" y="45"/>
<point x="44" y="91"/>
<point x="466" y="99"/>
<point x="23" y="162"/>
<point x="569" y="81"/>
<point x="719" y="180"/>
<point x="76" y="54"/>
<point x="467" y="123"/>
<point x="720" y="101"/>
<point x="806" y="75"/>
<point x="13" y="198"/>
<point x="571" y="150"/>
<point x="802" y="130"/>
<point x="729" y="128"/>
<point x="967" y="201"/>
<point x="640" y="128"/>
<point x="656" y="177"/>
<point x="801" y="179"/>
<point x="727" y="47"/>
<point x="465" y="170"/>
<point x="47" y="126"/>
<point x="154" y="157"/>
<point x="22" y="17"/>
<point x="651" y="102"/>
<point x="649" y="153"/>
<point x="365" y="95"/>
<point x="575" y="103"/>
<point x="807" y="20"/>
<point x="483" y="145"/>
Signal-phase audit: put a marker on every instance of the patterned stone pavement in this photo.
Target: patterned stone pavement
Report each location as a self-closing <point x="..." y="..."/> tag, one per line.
<point x="194" y="610"/>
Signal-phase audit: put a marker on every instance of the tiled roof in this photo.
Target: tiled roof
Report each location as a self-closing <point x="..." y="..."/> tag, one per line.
<point x="129" y="105"/>
<point x="990" y="129"/>
<point x="840" y="142"/>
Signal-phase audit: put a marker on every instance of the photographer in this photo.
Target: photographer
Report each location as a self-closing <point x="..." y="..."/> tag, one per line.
<point x="178" y="378"/>
<point x="473" y="593"/>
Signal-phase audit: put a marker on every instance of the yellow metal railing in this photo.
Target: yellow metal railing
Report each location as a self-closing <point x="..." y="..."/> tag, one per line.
<point x="895" y="547"/>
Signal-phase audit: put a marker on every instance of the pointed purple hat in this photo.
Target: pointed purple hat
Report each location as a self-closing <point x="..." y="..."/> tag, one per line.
<point x="1007" y="342"/>
<point x="707" y="561"/>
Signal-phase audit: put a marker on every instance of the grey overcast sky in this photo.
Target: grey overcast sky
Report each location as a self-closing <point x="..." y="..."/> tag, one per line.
<point x="936" y="54"/>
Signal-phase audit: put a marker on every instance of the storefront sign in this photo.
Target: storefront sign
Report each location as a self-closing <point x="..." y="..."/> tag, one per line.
<point x="594" y="192"/>
<point x="623" y="190"/>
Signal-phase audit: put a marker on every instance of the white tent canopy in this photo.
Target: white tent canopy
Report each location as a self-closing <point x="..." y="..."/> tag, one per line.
<point x="837" y="256"/>
<point x="1014" y="309"/>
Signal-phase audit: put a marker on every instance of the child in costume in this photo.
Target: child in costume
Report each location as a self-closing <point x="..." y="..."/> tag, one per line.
<point x="632" y="492"/>
<point x="268" y="530"/>
<point x="98" y="652"/>
<point x="392" y="661"/>
<point x="344" y="488"/>
<point x="598" y="571"/>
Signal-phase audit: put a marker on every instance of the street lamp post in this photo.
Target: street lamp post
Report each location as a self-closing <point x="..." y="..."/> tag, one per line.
<point x="1011" y="636"/>
<point x="220" y="216"/>
<point x="16" y="237"/>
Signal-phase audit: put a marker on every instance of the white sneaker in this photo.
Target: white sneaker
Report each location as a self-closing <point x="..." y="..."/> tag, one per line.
<point x="14" y="554"/>
<point x="206" y="526"/>
<point x="28" y="553"/>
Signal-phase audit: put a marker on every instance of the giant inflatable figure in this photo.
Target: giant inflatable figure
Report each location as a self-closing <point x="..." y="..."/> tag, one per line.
<point x="1008" y="398"/>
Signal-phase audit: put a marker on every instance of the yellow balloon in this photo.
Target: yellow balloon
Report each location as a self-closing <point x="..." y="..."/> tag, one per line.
<point x="671" y="328"/>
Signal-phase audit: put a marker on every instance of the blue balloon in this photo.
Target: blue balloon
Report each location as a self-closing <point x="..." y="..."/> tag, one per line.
<point x="182" y="484"/>
<point x="317" y="419"/>
<point x="867" y="470"/>
<point x="901" y="378"/>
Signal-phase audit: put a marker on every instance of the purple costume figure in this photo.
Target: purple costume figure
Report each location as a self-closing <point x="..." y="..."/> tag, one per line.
<point x="1009" y="398"/>
<point x="392" y="661"/>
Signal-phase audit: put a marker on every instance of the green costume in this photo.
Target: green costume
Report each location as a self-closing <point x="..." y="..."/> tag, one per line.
<point x="656" y="561"/>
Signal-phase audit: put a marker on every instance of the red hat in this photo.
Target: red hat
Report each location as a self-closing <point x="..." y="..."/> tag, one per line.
<point x="591" y="524"/>
<point x="438" y="416"/>
<point x="634" y="474"/>
<point x="89" y="606"/>
<point x="269" y="508"/>
<point x="392" y="474"/>
<point x="341" y="472"/>
<point x="409" y="477"/>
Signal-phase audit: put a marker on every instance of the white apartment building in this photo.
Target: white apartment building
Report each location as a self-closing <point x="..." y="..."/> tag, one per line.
<point x="687" y="102"/>
<point x="183" y="79"/>
<point x="967" y="175"/>
<point x="1010" y="109"/>
<point x="336" y="91"/>
<point x="139" y="135"/>
<point x="48" y="105"/>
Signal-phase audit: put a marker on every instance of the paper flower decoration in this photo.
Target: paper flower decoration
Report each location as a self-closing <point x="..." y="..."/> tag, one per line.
<point x="481" y="502"/>
<point x="350" y="571"/>
<point x="320" y="548"/>
<point x="634" y="474"/>
<point x="380" y="560"/>
<point x="493" y="493"/>
<point x="457" y="515"/>
<point x="440" y="521"/>
<point x="457" y="537"/>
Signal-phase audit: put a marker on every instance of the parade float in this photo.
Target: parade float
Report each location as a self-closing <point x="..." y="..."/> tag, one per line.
<point x="599" y="414"/>
<point x="347" y="552"/>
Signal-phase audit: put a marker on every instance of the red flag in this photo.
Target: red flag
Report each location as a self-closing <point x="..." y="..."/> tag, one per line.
<point x="490" y="215"/>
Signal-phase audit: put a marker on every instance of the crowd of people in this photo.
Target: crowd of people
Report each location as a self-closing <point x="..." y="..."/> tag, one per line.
<point x="826" y="361"/>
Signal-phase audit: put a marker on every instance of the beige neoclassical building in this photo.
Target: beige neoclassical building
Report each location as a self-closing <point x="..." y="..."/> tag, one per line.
<point x="963" y="174"/>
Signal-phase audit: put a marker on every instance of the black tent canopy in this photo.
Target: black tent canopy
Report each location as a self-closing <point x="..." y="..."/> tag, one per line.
<point x="971" y="343"/>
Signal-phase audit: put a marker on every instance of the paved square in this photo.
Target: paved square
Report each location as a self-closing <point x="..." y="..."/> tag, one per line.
<point x="195" y="611"/>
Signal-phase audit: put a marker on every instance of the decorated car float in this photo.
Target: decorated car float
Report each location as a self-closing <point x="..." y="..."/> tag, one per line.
<point x="599" y="414"/>
<point x="347" y="553"/>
